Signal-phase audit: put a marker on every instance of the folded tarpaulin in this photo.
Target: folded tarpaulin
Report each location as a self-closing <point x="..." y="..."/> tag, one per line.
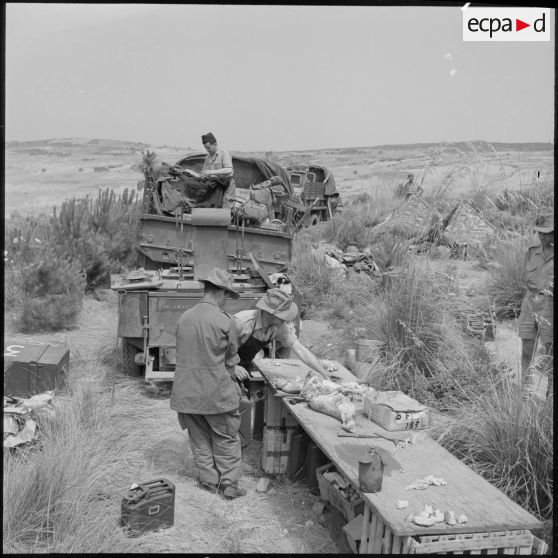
<point x="188" y="192"/>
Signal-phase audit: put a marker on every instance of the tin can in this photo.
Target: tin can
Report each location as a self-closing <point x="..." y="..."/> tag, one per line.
<point x="370" y="471"/>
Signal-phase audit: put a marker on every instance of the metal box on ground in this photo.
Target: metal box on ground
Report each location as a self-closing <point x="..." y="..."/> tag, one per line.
<point x="276" y="413"/>
<point x="276" y="449"/>
<point x="31" y="368"/>
<point x="396" y="411"/>
<point x="330" y="493"/>
<point x="148" y="507"/>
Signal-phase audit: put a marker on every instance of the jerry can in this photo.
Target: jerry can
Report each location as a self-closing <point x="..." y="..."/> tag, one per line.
<point x="148" y="507"/>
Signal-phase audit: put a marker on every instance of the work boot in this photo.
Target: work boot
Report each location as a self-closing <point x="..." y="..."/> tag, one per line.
<point x="231" y="492"/>
<point x="210" y="487"/>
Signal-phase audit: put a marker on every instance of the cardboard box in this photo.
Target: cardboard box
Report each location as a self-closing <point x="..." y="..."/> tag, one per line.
<point x="394" y="410"/>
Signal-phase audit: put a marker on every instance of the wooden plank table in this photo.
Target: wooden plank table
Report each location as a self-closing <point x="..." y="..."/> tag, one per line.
<point x="486" y="507"/>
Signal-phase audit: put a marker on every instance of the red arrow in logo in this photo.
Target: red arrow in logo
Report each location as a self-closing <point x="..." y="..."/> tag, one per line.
<point x="519" y="25"/>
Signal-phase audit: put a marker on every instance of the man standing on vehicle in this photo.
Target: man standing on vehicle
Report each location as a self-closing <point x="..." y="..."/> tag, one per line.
<point x="536" y="321"/>
<point x="271" y="320"/>
<point x="218" y="166"/>
<point x="204" y="393"/>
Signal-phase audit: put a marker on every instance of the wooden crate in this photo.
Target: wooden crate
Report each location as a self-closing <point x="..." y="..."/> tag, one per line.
<point x="331" y="494"/>
<point x="276" y="449"/>
<point x="378" y="538"/>
<point x="276" y="413"/>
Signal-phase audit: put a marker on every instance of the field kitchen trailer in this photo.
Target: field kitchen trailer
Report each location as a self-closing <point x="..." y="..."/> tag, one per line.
<point x="175" y="251"/>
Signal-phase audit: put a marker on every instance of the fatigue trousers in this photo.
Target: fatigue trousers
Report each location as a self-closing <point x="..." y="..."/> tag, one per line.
<point x="245" y="430"/>
<point x="215" y="445"/>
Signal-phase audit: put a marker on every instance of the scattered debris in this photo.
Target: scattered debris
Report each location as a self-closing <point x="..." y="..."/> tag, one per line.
<point x="262" y="485"/>
<point x="309" y="523"/>
<point x="449" y="518"/>
<point x="421" y="484"/>
<point x="429" y="516"/>
<point x="20" y="417"/>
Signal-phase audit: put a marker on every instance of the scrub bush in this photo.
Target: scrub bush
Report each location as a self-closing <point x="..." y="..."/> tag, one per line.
<point x="52" y="293"/>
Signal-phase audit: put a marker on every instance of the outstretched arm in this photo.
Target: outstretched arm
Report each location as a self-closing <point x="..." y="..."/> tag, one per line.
<point x="308" y="358"/>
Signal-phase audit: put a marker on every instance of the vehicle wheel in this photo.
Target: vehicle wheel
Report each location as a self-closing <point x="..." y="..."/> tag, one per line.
<point x="129" y="351"/>
<point x="314" y="220"/>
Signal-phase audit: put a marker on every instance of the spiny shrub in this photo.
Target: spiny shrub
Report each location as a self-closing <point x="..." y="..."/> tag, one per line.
<point x="52" y="293"/>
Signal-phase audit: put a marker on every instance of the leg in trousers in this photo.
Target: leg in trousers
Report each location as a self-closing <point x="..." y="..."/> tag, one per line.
<point x="226" y="446"/>
<point x="245" y="431"/>
<point x="201" y="442"/>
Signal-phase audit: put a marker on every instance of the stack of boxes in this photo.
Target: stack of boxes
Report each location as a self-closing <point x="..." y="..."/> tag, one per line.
<point x="279" y="427"/>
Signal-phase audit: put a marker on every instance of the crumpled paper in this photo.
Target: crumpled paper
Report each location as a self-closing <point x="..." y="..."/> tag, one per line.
<point x="421" y="484"/>
<point x="20" y="425"/>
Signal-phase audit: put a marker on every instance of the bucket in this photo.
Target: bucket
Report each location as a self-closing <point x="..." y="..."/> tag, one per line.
<point x="367" y="350"/>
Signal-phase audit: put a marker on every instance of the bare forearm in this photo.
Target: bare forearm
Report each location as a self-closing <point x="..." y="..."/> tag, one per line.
<point x="308" y="358"/>
<point x="220" y="172"/>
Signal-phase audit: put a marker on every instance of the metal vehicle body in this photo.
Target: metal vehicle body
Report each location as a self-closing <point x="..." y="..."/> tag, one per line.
<point x="316" y="187"/>
<point x="178" y="250"/>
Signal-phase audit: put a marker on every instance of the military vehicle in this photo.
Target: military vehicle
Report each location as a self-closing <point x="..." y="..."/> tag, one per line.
<point x="176" y="249"/>
<point x="316" y="187"/>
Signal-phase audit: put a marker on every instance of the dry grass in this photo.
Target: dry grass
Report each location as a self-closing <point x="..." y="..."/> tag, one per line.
<point x="61" y="494"/>
<point x="507" y="284"/>
<point x="508" y="440"/>
<point x="425" y="351"/>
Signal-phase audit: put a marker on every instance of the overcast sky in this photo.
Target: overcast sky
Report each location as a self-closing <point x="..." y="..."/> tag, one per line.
<point x="269" y="78"/>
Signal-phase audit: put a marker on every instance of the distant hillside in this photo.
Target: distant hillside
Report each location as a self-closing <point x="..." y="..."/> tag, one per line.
<point x="114" y="147"/>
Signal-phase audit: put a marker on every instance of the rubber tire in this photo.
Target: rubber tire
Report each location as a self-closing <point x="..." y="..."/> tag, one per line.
<point x="129" y="351"/>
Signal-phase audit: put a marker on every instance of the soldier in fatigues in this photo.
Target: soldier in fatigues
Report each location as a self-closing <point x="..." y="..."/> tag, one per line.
<point x="205" y="393"/>
<point x="536" y="321"/>
<point x="271" y="320"/>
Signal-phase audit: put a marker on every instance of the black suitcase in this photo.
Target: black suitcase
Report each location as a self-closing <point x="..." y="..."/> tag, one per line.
<point x="148" y="507"/>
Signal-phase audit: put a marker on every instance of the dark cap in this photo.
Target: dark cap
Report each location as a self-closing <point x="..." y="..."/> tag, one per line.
<point x="208" y="138"/>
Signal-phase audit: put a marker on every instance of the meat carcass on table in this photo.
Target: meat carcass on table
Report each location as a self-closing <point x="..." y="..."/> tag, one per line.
<point x="337" y="405"/>
<point x="340" y="400"/>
